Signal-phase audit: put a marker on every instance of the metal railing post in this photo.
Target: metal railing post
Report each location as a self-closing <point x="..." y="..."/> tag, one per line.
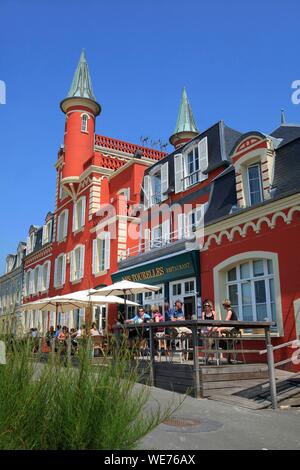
<point x="271" y="368"/>
<point x="152" y="356"/>
<point x="197" y="386"/>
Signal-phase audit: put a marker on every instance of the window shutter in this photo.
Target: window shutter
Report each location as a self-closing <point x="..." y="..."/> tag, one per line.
<point x="181" y="221"/>
<point x="81" y="268"/>
<point x="147" y="191"/>
<point x="203" y="157"/>
<point x="40" y="279"/>
<point x="31" y="282"/>
<point x="83" y="205"/>
<point x="107" y="250"/>
<point x="75" y="217"/>
<point x="178" y="173"/>
<point x="55" y="273"/>
<point x="58" y="228"/>
<point x="28" y="245"/>
<point x="72" y="265"/>
<point x="63" y="276"/>
<point x="65" y="232"/>
<point x="48" y="275"/>
<point x="49" y="232"/>
<point x="44" y="236"/>
<point x="164" y="180"/>
<point x="147" y="238"/>
<point x="95" y="257"/>
<point x="165" y="227"/>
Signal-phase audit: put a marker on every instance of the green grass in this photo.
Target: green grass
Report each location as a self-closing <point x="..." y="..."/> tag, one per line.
<point x="57" y="406"/>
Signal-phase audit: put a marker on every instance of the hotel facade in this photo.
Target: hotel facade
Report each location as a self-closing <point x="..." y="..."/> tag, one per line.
<point x="217" y="217"/>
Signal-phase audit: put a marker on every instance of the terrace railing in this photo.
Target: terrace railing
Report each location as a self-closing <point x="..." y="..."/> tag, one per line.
<point x="198" y="332"/>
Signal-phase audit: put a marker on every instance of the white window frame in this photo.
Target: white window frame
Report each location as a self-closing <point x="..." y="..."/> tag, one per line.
<point x="62" y="279"/>
<point x="258" y="165"/>
<point x="45" y="283"/>
<point x="62" y="232"/>
<point x="47" y="232"/>
<point x="77" y="263"/>
<point x="101" y="253"/>
<point x="252" y="279"/>
<point x="84" y="123"/>
<point x="220" y="273"/>
<point x="79" y="215"/>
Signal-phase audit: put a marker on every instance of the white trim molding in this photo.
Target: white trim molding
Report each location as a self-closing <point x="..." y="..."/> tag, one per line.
<point x="219" y="279"/>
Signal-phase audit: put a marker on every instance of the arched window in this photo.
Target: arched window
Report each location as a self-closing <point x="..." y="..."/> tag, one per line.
<point x="84" y="123"/>
<point x="251" y="281"/>
<point x="250" y="287"/>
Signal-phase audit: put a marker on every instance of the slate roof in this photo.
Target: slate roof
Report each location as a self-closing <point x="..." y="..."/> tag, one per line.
<point x="286" y="177"/>
<point x="221" y="139"/>
<point x="287" y="132"/>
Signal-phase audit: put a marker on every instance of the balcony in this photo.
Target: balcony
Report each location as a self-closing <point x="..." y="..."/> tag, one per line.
<point x="151" y="249"/>
<point x="192" y="179"/>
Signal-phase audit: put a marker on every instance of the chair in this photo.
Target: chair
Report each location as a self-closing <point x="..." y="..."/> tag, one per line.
<point x="232" y="336"/>
<point x="98" y="345"/>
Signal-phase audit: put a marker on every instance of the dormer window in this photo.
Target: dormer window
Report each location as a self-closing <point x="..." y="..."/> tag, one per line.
<point x="30" y="243"/>
<point x="190" y="167"/>
<point x="84" y="123"/>
<point x="47" y="232"/>
<point x="156" y="185"/>
<point x="255" y="184"/>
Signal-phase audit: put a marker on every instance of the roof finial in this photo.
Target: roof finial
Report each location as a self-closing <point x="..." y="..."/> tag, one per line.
<point x="283" y="119"/>
<point x="185" y="122"/>
<point x="82" y="84"/>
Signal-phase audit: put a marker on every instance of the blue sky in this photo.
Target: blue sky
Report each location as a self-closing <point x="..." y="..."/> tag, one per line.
<point x="236" y="59"/>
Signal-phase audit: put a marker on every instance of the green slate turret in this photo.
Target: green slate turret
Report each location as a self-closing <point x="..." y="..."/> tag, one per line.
<point x="186" y="128"/>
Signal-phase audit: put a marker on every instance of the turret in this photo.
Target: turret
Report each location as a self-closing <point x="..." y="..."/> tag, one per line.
<point x="186" y="128"/>
<point x="81" y="109"/>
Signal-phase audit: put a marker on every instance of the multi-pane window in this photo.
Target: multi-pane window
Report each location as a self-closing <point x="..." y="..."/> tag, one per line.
<point x="101" y="253"/>
<point x="62" y="225"/>
<point x="84" y="123"/>
<point x="192" y="165"/>
<point x="60" y="270"/>
<point x="47" y="232"/>
<point x="79" y="213"/>
<point x="46" y="275"/>
<point x="77" y="263"/>
<point x="250" y="287"/>
<point x="255" y="184"/>
<point x="156" y="188"/>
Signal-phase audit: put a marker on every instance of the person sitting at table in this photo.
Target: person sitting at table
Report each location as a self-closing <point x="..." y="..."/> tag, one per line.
<point x="231" y="315"/>
<point x="176" y="313"/>
<point x="157" y="316"/>
<point x="139" y="318"/>
<point x="94" y="330"/>
<point x="208" y="313"/>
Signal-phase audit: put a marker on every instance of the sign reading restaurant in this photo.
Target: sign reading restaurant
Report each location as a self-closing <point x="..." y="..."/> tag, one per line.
<point x="157" y="272"/>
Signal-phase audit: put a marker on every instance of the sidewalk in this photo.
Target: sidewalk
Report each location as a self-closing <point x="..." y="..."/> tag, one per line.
<point x="213" y="425"/>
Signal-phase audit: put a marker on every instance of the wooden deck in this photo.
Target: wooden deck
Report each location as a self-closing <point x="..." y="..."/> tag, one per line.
<point x="245" y="385"/>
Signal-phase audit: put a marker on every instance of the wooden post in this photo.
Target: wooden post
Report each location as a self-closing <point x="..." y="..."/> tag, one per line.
<point x="197" y="386"/>
<point x="152" y="357"/>
<point x="271" y="368"/>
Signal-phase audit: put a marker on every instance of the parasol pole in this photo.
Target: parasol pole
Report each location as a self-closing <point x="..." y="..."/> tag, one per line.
<point x="125" y="304"/>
